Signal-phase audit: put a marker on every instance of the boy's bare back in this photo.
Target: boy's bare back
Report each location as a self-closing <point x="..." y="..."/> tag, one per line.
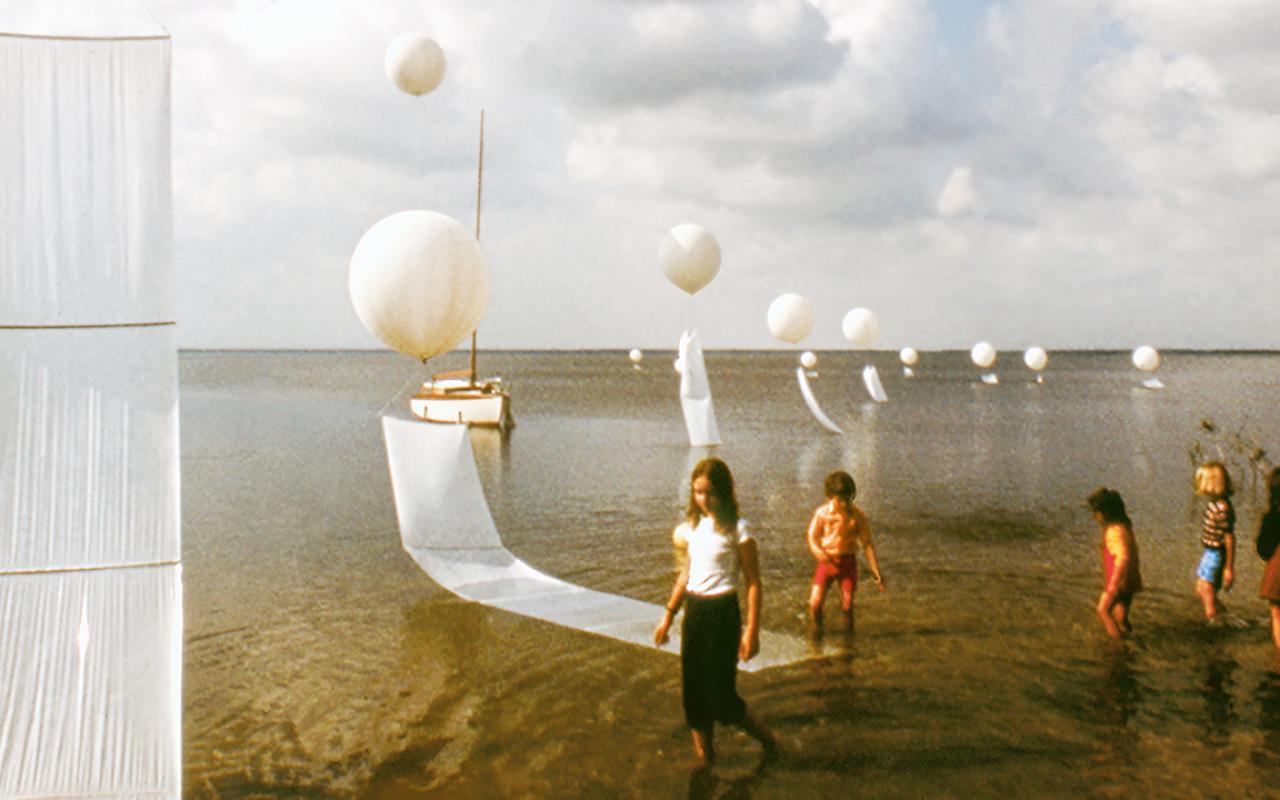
<point x="837" y="532"/>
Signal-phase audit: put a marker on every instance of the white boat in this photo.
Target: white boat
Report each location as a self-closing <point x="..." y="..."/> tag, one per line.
<point x="458" y="398"/>
<point x="454" y="398"/>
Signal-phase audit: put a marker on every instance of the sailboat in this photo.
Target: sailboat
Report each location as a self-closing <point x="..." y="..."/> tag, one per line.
<point x="458" y="397"/>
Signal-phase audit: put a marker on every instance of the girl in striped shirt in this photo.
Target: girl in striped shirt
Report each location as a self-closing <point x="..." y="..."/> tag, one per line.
<point x="1217" y="534"/>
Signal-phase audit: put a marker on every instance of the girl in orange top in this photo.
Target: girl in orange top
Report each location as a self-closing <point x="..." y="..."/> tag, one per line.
<point x="1121" y="574"/>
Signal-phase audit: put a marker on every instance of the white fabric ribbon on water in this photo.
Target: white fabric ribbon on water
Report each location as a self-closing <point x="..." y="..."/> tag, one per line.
<point x="803" y="379"/>
<point x="871" y="379"/>
<point x="695" y="393"/>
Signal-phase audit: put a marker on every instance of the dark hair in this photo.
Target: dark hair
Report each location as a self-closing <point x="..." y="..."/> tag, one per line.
<point x="725" y="508"/>
<point x="840" y="484"/>
<point x="1109" y="504"/>
<point x="1273" y="487"/>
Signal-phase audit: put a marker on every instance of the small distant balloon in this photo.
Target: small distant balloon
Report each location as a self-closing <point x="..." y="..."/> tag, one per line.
<point x="909" y="356"/>
<point x="1146" y="358"/>
<point x="690" y="257"/>
<point x="983" y="355"/>
<point x="1035" y="358"/>
<point x="635" y="355"/>
<point x="860" y="327"/>
<point x="790" y="318"/>
<point x="808" y="359"/>
<point x="414" y="63"/>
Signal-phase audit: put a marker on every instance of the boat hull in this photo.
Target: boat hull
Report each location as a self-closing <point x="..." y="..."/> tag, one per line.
<point x="483" y="409"/>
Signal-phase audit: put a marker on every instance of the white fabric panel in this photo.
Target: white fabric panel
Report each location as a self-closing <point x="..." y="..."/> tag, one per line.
<point x="1152" y="383"/>
<point x="695" y="393"/>
<point x="85" y="211"/>
<point x="90" y="683"/>
<point x="88" y="448"/>
<point x="446" y="526"/>
<point x="812" y="402"/>
<point x="990" y="378"/>
<point x="871" y="379"/>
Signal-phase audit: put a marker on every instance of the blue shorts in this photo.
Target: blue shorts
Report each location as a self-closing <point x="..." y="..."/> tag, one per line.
<point x="1211" y="564"/>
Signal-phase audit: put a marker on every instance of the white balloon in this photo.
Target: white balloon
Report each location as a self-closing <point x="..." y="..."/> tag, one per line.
<point x="790" y="318"/>
<point x="1035" y="358"/>
<point x="808" y="359"/>
<point x="678" y="364"/>
<point x="1146" y="358"/>
<point x="419" y="282"/>
<point x="635" y="355"/>
<point x="861" y="327"/>
<point x="909" y="356"/>
<point x="689" y="256"/>
<point x="983" y="354"/>
<point x="414" y="63"/>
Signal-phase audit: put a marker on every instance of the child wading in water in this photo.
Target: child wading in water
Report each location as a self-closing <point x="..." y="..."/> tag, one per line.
<point x="718" y="557"/>
<point x="837" y="530"/>
<point x="1217" y="534"/>
<point x="1268" y="545"/>
<point x="1121" y="575"/>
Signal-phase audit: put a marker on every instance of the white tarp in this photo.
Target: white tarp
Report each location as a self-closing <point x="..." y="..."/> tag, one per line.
<point x="88" y="448"/>
<point x="695" y="393"/>
<point x="446" y="526"/>
<point x="812" y="402"/>
<point x="85" y="205"/>
<point x="90" y="585"/>
<point x="90" y="683"/>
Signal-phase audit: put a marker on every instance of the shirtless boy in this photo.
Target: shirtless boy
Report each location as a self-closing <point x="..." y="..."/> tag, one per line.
<point x="837" y="530"/>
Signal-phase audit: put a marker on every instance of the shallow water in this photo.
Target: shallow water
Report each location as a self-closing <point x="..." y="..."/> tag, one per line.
<point x="321" y="662"/>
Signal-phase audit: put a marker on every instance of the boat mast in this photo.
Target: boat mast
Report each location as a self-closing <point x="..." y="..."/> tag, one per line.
<point x="479" y="185"/>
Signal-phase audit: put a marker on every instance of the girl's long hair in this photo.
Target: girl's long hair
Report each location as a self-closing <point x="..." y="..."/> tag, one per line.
<point x="1109" y="504"/>
<point x="725" y="508"/>
<point x="1273" y="488"/>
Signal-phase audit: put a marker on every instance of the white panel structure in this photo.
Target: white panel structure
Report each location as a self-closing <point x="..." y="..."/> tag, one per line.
<point x="88" y="448"/>
<point x="85" y="192"/>
<point x="695" y="393"/>
<point x="90" y="679"/>
<point x="446" y="526"/>
<point x="90" y="579"/>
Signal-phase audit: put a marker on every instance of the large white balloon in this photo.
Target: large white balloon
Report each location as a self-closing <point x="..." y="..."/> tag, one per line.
<point x="419" y="282"/>
<point x="860" y="327"/>
<point x="909" y="356"/>
<point x="689" y="256"/>
<point x="790" y="318"/>
<point x="808" y="359"/>
<point x="414" y="63"/>
<point x="1146" y="358"/>
<point x="1035" y="358"/>
<point x="983" y="354"/>
<point x="635" y="355"/>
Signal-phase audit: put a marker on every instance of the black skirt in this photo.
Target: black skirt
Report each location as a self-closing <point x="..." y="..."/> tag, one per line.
<point x="709" y="640"/>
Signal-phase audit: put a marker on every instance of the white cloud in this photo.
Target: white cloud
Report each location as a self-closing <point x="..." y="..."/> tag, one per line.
<point x="957" y="196"/>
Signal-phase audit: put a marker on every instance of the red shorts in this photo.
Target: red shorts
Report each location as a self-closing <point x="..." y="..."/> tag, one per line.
<point x="845" y="570"/>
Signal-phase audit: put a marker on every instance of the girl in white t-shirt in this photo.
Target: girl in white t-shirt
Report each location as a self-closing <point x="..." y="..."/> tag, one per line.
<point x="718" y="557"/>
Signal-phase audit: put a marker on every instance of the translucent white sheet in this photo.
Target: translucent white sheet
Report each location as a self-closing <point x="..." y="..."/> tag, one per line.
<point x="871" y="379"/>
<point x="88" y="448"/>
<point x="695" y="393"/>
<point x="85" y="211"/>
<point x="990" y="378"/>
<point x="446" y="526"/>
<point x="812" y="402"/>
<point x="90" y="683"/>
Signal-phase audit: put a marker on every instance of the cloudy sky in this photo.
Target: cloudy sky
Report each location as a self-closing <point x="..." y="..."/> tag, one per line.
<point x="1064" y="173"/>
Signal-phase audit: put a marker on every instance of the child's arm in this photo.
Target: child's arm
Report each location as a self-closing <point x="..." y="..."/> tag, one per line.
<point x="869" y="549"/>
<point x="815" y="530"/>
<point x="750" y="559"/>
<point x="677" y="593"/>
<point x="1228" y="569"/>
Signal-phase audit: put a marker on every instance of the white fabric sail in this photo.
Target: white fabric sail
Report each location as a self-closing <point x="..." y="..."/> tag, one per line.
<point x="90" y="580"/>
<point x="446" y="526"/>
<point x="871" y="379"/>
<point x="695" y="393"/>
<point x="803" y="379"/>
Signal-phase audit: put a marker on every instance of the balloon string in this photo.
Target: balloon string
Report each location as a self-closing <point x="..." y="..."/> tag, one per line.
<point x="399" y="392"/>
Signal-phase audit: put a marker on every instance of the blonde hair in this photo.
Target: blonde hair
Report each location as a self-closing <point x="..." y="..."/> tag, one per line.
<point x="1212" y="480"/>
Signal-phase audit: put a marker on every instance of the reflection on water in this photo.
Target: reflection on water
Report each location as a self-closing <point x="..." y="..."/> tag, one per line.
<point x="320" y="661"/>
